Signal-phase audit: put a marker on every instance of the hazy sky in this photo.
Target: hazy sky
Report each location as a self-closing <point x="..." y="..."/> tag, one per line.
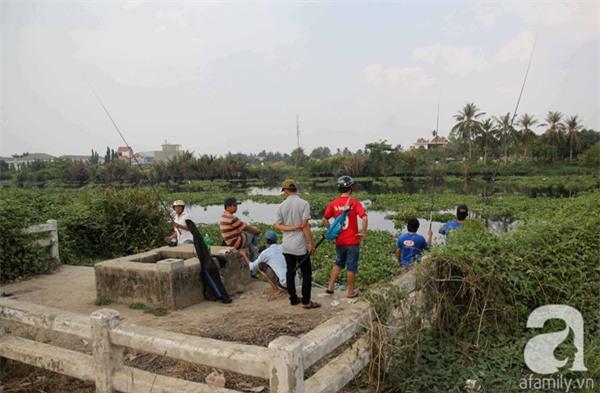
<point x="231" y="76"/>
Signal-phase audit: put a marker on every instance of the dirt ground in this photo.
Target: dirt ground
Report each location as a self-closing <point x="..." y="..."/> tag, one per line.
<point x="250" y="319"/>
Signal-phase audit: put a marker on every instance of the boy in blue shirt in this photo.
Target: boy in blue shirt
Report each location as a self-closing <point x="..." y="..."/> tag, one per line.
<point x="411" y="245"/>
<point x="462" y="211"/>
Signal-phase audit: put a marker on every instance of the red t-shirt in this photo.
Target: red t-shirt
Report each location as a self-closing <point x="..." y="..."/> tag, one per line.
<point x="349" y="234"/>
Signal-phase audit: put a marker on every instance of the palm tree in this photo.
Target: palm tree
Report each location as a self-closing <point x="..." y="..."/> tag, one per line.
<point x="527" y="135"/>
<point x="468" y="124"/>
<point x="486" y="136"/>
<point x="555" y="129"/>
<point x="573" y="128"/>
<point x="506" y="132"/>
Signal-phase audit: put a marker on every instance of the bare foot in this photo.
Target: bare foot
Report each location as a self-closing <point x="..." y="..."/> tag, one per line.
<point x="275" y="294"/>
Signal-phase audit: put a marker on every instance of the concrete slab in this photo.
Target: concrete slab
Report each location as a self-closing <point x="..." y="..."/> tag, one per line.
<point x="166" y="277"/>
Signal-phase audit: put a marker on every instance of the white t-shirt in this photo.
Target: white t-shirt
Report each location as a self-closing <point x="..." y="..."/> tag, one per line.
<point x="182" y="234"/>
<point x="293" y="211"/>
<point x="272" y="256"/>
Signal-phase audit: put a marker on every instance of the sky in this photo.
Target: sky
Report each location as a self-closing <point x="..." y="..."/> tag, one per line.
<point x="218" y="77"/>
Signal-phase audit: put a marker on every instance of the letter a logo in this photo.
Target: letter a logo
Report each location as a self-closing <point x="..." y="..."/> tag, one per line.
<point x="539" y="351"/>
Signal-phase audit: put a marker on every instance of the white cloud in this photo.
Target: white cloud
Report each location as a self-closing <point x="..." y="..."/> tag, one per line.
<point x="373" y="73"/>
<point x="575" y="20"/>
<point x="519" y="48"/>
<point x="455" y="60"/>
<point x="413" y="78"/>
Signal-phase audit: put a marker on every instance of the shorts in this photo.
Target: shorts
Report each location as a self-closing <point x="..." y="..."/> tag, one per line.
<point x="188" y="241"/>
<point x="347" y="256"/>
<point x="266" y="269"/>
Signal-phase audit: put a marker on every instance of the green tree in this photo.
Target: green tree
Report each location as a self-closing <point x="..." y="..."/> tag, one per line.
<point x="554" y="134"/>
<point x="468" y="124"/>
<point x="527" y="136"/>
<point x="298" y="157"/>
<point x="486" y="137"/>
<point x="320" y="152"/>
<point x="378" y="162"/>
<point x="573" y="127"/>
<point x="506" y="132"/>
<point x="94" y="158"/>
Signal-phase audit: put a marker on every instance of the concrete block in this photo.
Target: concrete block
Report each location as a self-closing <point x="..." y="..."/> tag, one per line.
<point x="166" y="277"/>
<point x="287" y="367"/>
<point x="169" y="265"/>
<point x="108" y="358"/>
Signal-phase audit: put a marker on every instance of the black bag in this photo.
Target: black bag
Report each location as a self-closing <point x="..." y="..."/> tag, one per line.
<point x="210" y="275"/>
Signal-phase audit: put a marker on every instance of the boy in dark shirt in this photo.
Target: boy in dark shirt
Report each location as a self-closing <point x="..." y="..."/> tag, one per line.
<point x="462" y="212"/>
<point x="411" y="245"/>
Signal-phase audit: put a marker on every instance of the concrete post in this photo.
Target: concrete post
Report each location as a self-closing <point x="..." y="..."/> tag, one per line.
<point x="54" y="238"/>
<point x="108" y="358"/>
<point x="2" y="360"/>
<point x="287" y="366"/>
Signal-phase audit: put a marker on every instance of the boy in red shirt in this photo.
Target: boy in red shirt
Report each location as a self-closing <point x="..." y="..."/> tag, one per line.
<point x="348" y="242"/>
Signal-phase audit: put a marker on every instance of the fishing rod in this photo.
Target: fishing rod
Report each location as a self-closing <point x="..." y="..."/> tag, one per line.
<point x="432" y="193"/>
<point x="435" y="161"/>
<point x="126" y="144"/>
<point x="496" y="171"/>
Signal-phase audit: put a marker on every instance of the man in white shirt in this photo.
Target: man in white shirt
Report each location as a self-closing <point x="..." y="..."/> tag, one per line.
<point x="181" y="234"/>
<point x="271" y="264"/>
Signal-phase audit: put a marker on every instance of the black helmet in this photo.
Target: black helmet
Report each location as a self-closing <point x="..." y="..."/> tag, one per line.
<point x="345" y="182"/>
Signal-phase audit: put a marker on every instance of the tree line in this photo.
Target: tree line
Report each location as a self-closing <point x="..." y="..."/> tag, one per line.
<point x="475" y="139"/>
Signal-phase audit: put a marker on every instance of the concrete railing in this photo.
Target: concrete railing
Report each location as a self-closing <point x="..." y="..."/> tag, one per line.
<point x="50" y="227"/>
<point x="283" y="362"/>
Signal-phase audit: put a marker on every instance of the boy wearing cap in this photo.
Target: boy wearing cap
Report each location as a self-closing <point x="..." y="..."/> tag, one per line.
<point x="236" y="233"/>
<point x="180" y="234"/>
<point x="292" y="219"/>
<point x="462" y="211"/>
<point x="271" y="265"/>
<point x="347" y="244"/>
<point x="411" y="245"/>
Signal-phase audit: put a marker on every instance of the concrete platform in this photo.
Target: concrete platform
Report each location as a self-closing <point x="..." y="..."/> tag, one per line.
<point x="166" y="277"/>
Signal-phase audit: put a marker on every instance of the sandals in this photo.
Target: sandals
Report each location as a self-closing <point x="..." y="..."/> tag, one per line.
<point x="354" y="294"/>
<point x="311" y="305"/>
<point x="329" y="292"/>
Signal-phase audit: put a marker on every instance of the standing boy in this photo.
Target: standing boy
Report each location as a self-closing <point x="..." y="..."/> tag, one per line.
<point x="411" y="245"/>
<point x="462" y="211"/>
<point x="292" y="219"/>
<point x="347" y="244"/>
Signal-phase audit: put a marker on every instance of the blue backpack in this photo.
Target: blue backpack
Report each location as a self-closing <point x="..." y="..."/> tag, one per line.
<point x="338" y="224"/>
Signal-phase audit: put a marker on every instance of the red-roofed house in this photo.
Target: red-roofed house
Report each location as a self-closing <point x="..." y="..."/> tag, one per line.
<point x="125" y="153"/>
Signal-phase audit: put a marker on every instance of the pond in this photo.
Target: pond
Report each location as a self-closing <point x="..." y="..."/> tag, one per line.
<point x="264" y="213"/>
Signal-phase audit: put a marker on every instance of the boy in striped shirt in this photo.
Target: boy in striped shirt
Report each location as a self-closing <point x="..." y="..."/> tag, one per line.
<point x="236" y="233"/>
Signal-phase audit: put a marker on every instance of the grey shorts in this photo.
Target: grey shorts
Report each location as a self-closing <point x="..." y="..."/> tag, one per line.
<point x="266" y="269"/>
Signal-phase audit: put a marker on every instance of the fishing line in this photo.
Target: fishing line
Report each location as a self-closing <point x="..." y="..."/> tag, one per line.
<point x="496" y="171"/>
<point x="126" y="144"/>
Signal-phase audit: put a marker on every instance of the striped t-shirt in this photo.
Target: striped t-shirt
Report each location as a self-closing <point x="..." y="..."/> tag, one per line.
<point x="232" y="231"/>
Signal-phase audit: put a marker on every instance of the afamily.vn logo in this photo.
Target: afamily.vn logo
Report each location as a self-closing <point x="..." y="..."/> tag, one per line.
<point x="539" y="351"/>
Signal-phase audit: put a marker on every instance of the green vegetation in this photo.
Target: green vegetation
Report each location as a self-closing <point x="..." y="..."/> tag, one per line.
<point x="157" y="312"/>
<point x="484" y="286"/>
<point x="93" y="224"/>
<point x="102" y="301"/>
<point x="475" y="146"/>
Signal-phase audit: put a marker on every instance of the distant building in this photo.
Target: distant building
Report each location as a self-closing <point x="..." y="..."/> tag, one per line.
<point x="125" y="153"/>
<point x="169" y="151"/>
<point x="18" y="161"/>
<point x="145" y="157"/>
<point x="435" y="143"/>
<point x="77" y="158"/>
<point x="420" y="144"/>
